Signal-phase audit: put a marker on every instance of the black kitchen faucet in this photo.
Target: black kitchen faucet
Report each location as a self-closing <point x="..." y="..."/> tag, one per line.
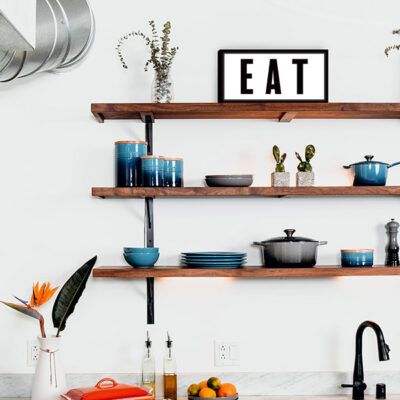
<point x="359" y="385"/>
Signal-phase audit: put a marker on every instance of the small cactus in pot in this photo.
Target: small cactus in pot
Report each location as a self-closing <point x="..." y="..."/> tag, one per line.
<point x="280" y="167"/>
<point x="279" y="178"/>
<point x="305" y="174"/>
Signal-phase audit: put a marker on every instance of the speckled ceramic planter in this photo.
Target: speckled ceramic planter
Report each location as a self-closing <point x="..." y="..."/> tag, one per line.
<point x="305" y="178"/>
<point x="280" y="179"/>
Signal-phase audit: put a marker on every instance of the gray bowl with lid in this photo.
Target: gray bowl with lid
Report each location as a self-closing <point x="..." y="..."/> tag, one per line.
<point x="289" y="251"/>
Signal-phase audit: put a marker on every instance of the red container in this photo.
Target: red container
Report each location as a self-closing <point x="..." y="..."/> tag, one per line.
<point x="108" y="389"/>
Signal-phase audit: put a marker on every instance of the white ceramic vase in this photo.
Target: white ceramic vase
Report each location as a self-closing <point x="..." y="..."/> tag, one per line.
<point x="49" y="379"/>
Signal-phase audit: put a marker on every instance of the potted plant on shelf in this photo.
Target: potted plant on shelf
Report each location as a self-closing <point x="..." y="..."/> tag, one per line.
<point x="49" y="381"/>
<point x="279" y="178"/>
<point x="305" y="174"/>
<point x="161" y="57"/>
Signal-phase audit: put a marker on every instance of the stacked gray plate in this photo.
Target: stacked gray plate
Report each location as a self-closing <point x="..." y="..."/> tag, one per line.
<point x="65" y="32"/>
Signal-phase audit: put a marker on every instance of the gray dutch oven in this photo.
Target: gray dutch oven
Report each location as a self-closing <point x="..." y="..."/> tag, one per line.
<point x="289" y="251"/>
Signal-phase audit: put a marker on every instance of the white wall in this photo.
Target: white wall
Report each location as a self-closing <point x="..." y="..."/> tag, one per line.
<point x="52" y="152"/>
<point x="22" y="15"/>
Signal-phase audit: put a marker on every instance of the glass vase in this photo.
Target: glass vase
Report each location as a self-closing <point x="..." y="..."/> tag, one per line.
<point x="49" y="379"/>
<point x="162" y="89"/>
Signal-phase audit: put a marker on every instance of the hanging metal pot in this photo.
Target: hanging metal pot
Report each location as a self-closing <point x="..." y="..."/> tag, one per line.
<point x="14" y="67"/>
<point x="46" y="36"/>
<point x="289" y="251"/>
<point x="65" y="32"/>
<point x="63" y="39"/>
<point x="82" y="27"/>
<point x="5" y="58"/>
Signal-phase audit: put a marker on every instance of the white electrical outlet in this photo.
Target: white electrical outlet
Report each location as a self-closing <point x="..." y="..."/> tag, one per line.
<point x="33" y="353"/>
<point x="226" y="353"/>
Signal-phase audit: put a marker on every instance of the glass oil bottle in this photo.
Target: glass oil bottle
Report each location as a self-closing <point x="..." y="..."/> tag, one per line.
<point x="149" y="368"/>
<point x="170" y="379"/>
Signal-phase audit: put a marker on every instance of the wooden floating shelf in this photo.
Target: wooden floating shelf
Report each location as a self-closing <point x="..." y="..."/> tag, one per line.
<point x="247" y="272"/>
<point x="283" y="112"/>
<point x="142" y="192"/>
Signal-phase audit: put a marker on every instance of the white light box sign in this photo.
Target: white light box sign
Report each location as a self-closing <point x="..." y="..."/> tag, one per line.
<point x="273" y="75"/>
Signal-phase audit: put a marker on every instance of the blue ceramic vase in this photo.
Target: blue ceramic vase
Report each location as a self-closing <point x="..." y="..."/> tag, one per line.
<point x="173" y="172"/>
<point x="152" y="171"/>
<point x="127" y="162"/>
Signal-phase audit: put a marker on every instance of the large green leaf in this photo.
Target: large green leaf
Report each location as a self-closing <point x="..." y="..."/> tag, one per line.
<point x="70" y="294"/>
<point x="24" y="310"/>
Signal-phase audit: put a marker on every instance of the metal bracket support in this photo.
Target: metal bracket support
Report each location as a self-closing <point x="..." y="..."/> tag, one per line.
<point x="149" y="222"/>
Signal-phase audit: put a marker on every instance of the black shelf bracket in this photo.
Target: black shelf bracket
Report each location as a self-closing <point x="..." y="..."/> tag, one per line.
<point x="149" y="222"/>
<point x="149" y="234"/>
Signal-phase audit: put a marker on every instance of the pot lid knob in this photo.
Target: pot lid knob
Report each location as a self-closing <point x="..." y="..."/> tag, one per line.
<point x="289" y="232"/>
<point x="369" y="157"/>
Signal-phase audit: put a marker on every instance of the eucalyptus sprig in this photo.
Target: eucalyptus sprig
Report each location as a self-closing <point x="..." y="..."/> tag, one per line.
<point x="161" y="54"/>
<point x="394" y="47"/>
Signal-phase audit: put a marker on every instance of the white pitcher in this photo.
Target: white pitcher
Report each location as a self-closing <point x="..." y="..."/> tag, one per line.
<point x="49" y="380"/>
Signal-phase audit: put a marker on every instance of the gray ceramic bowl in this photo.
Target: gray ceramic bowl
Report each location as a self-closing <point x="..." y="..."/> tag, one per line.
<point x="229" y="180"/>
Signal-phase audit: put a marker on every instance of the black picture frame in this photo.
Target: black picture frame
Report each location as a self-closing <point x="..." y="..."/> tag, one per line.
<point x="221" y="75"/>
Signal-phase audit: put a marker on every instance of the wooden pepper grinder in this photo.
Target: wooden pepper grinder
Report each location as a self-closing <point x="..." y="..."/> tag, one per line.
<point x="392" y="249"/>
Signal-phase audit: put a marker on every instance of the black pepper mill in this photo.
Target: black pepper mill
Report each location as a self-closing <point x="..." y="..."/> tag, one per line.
<point x="392" y="249"/>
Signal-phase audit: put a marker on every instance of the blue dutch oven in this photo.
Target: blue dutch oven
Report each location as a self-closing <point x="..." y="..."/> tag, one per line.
<point x="370" y="173"/>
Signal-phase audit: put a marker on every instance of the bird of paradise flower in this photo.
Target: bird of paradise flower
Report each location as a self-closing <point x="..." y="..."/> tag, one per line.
<point x="66" y="300"/>
<point x="39" y="297"/>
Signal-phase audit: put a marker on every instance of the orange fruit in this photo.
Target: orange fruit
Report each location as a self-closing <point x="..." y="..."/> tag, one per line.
<point x="227" y="390"/>
<point x="203" y="384"/>
<point x="207" y="393"/>
<point x="214" y="383"/>
<point x="193" y="390"/>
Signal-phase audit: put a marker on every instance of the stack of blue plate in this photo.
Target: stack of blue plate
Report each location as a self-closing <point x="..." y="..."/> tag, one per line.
<point x="214" y="259"/>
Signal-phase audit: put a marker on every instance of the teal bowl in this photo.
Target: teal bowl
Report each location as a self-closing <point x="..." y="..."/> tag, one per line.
<point x="141" y="250"/>
<point x="141" y="260"/>
<point x="357" y="258"/>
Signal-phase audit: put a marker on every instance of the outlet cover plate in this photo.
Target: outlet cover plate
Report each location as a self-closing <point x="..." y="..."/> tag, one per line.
<point x="33" y="353"/>
<point x="226" y="353"/>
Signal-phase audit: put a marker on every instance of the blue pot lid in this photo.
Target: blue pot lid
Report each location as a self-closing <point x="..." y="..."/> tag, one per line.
<point x="369" y="161"/>
<point x="289" y="238"/>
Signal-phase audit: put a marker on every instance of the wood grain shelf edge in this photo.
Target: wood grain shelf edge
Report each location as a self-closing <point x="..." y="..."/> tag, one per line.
<point x="142" y="192"/>
<point x="247" y="272"/>
<point x="246" y="110"/>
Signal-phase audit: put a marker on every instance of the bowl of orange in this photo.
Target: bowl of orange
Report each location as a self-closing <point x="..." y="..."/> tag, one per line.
<point x="213" y="389"/>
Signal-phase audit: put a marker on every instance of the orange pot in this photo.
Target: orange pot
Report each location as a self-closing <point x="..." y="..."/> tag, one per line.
<point x="108" y="389"/>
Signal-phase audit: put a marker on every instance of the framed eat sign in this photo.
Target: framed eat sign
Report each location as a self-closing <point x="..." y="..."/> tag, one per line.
<point x="273" y="76"/>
